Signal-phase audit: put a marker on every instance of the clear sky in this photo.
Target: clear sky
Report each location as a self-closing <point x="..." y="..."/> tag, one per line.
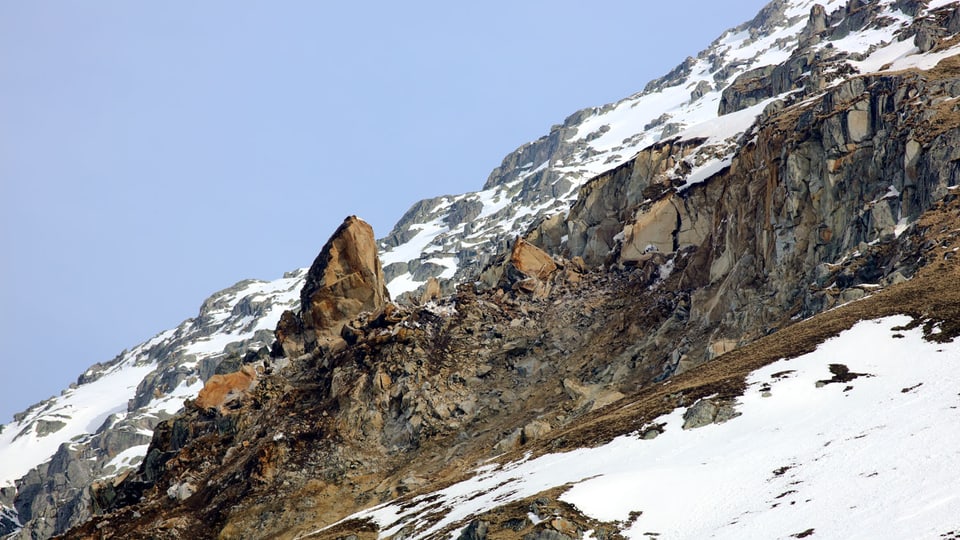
<point x="152" y="153"/>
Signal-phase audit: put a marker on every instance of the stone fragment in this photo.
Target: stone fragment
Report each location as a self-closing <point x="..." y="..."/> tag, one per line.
<point x="708" y="411"/>
<point x="476" y="530"/>
<point x="534" y="430"/>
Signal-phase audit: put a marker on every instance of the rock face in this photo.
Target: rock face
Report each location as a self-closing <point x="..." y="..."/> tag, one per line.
<point x="345" y="280"/>
<point x="814" y="181"/>
<point x="542" y="178"/>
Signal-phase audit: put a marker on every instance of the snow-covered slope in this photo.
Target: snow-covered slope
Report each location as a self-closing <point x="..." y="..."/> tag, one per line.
<point x="102" y="424"/>
<point x="453" y="236"/>
<point x="870" y="457"/>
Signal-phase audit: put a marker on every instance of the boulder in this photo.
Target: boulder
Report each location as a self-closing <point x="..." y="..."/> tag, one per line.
<point x="534" y="430"/>
<point x="221" y="390"/>
<point x="527" y="268"/>
<point x="531" y="261"/>
<point x="345" y="280"/>
<point x="476" y="530"/>
<point x="709" y="411"/>
<point x="431" y="291"/>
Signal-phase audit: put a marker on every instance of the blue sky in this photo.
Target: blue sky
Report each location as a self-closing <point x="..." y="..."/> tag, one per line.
<point x="153" y="153"/>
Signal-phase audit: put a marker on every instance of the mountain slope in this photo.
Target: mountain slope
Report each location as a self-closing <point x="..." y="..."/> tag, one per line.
<point x="421" y="420"/>
<point x="101" y="426"/>
<point x="715" y="96"/>
<point x="852" y="439"/>
<point x="757" y="184"/>
<point x="799" y="455"/>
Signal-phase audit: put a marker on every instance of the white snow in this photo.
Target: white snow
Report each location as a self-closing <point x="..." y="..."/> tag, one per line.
<point x="924" y="61"/>
<point x="128" y="458"/>
<point x="449" y="264"/>
<point x="403" y="283"/>
<point x="494" y="200"/>
<point x="707" y="170"/>
<point x="411" y="249"/>
<point x="872" y="458"/>
<point x="83" y="409"/>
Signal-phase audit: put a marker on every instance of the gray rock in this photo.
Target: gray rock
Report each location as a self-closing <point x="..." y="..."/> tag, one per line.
<point x="708" y="411"/>
<point x="8" y="521"/>
<point x="849" y="295"/>
<point x="927" y="36"/>
<point x="703" y="87"/>
<point x="476" y="530"/>
<point x="545" y="534"/>
<point x="46" y="427"/>
<point x="702" y="413"/>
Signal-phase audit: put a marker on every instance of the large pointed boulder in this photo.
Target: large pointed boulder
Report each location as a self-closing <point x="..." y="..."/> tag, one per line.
<point x="345" y="280"/>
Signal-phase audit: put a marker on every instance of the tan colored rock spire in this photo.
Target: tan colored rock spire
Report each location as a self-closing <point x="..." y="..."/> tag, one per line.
<point x="345" y="280"/>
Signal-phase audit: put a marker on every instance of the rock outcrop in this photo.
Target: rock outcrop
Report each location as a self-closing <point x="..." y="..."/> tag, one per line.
<point x="526" y="267"/>
<point x="345" y="280"/>
<point x="221" y="390"/>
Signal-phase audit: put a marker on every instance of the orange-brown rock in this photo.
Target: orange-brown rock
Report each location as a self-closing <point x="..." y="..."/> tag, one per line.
<point x="431" y="291"/>
<point x="289" y="334"/>
<point x="222" y="389"/>
<point x="532" y="261"/>
<point x="345" y="280"/>
<point x="527" y="269"/>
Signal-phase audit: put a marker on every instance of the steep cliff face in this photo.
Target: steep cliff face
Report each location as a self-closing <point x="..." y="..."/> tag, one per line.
<point x="813" y="184"/>
<point x="823" y="175"/>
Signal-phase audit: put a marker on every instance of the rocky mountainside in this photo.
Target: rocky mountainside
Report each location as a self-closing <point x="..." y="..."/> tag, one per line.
<point x="521" y="411"/>
<point x="790" y="51"/>
<point x="101" y="426"/>
<point x="673" y="246"/>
